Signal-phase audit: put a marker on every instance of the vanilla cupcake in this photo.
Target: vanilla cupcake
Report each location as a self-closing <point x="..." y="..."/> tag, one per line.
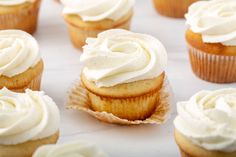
<point x="27" y="120"/>
<point x="76" y="148"/>
<point x="205" y="125"/>
<point x="124" y="73"/>
<point x="21" y="66"/>
<point x="211" y="39"/>
<point x="90" y="17"/>
<point x="172" y="8"/>
<point x="19" y="14"/>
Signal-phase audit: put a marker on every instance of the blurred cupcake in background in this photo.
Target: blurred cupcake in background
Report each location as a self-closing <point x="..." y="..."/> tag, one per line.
<point x="173" y="8"/>
<point x="19" y="14"/>
<point x="211" y="39"/>
<point x="21" y="65"/>
<point x="90" y="17"/>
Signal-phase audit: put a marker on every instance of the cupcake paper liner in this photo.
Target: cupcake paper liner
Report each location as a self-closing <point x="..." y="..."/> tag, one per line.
<point x="78" y="99"/>
<point x="211" y="67"/>
<point x="30" y="79"/>
<point x="139" y="107"/>
<point x="33" y="85"/>
<point x="79" y="35"/>
<point x="25" y="19"/>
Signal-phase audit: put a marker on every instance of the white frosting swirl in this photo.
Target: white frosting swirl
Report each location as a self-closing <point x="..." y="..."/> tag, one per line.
<point x="73" y="149"/>
<point x="14" y="2"/>
<point x="208" y="119"/>
<point x="215" y="20"/>
<point x="119" y="56"/>
<point x="96" y="10"/>
<point x="18" y="52"/>
<point x="26" y="116"/>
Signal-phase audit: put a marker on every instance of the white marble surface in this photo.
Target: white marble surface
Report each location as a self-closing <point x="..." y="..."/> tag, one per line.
<point x="62" y="68"/>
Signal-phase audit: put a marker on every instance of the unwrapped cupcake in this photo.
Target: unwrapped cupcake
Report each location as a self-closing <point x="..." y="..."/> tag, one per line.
<point x="211" y="40"/>
<point x="90" y="17"/>
<point x="75" y="149"/>
<point x="205" y="125"/>
<point x="21" y="65"/>
<point x="173" y="8"/>
<point x="19" y="14"/>
<point x="27" y="121"/>
<point x="124" y="73"/>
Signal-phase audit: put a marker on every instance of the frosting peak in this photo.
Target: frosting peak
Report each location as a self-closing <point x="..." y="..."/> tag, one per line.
<point x="215" y="20"/>
<point x="73" y="149"/>
<point x="18" y="52"/>
<point x="26" y="116"/>
<point x="213" y="114"/>
<point x="96" y="10"/>
<point x="119" y="56"/>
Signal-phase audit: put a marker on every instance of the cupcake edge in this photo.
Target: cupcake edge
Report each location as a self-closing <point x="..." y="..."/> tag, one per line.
<point x="79" y="34"/>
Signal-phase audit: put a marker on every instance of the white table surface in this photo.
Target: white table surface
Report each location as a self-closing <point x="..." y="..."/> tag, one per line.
<point x="62" y="68"/>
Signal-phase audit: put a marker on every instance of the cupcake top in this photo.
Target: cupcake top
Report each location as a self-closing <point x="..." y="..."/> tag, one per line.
<point x="208" y="119"/>
<point x="215" y="20"/>
<point x="73" y="149"/>
<point x="18" y="52"/>
<point x="96" y="10"/>
<point x="14" y="2"/>
<point x="26" y="116"/>
<point x="119" y="56"/>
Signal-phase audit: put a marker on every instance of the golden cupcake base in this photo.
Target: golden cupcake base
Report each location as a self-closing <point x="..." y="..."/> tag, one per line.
<point x="172" y="8"/>
<point x="188" y="149"/>
<point x="33" y="85"/>
<point x="28" y="148"/>
<point x="79" y="30"/>
<point x="78" y="99"/>
<point x="23" y="17"/>
<point x="29" y="79"/>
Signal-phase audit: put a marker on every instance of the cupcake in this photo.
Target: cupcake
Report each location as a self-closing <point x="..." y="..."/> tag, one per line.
<point x="27" y="121"/>
<point x="211" y="40"/>
<point x="172" y="8"/>
<point x="21" y="65"/>
<point x="205" y="125"/>
<point x="19" y="14"/>
<point x="88" y="18"/>
<point x="76" y="148"/>
<point x="123" y="73"/>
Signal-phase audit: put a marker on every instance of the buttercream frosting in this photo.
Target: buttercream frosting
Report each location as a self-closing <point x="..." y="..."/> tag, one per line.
<point x="14" y="2"/>
<point x="215" y="20"/>
<point x="26" y="116"/>
<point x="18" y="52"/>
<point x="208" y="119"/>
<point x="119" y="56"/>
<point x="72" y="149"/>
<point x="96" y="10"/>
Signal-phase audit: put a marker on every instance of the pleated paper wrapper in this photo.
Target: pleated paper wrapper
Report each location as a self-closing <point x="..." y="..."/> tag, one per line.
<point x="211" y="67"/>
<point x="78" y="100"/>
